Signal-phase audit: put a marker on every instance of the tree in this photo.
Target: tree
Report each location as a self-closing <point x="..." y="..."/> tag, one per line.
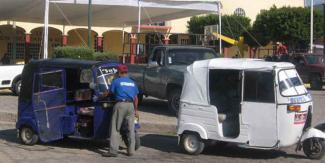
<point x="290" y="25"/>
<point x="232" y="26"/>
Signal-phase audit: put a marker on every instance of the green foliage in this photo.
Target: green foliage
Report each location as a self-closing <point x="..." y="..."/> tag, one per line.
<point x="102" y="56"/>
<point x="232" y="26"/>
<point x="83" y="53"/>
<point x="290" y="25"/>
<point x="73" y="52"/>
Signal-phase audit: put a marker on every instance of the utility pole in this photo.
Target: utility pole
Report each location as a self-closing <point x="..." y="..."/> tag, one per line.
<point x="324" y="31"/>
<point x="89" y="22"/>
<point x="46" y="29"/>
<point x="220" y="41"/>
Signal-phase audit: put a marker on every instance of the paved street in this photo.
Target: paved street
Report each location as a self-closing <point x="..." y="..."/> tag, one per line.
<point x="155" y="147"/>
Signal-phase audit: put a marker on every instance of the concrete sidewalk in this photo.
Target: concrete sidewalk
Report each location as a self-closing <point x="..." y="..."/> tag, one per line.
<point x="154" y="115"/>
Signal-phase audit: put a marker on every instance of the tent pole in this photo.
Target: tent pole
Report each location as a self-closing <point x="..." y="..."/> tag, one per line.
<point x="220" y="41"/>
<point x="46" y="29"/>
<point x="324" y="30"/>
<point x="139" y="28"/>
<point x="89" y="22"/>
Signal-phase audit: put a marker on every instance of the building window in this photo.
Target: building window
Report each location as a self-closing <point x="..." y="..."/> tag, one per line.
<point x="240" y="12"/>
<point x="34" y="50"/>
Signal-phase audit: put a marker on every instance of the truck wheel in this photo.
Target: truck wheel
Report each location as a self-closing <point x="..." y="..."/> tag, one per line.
<point x="192" y="144"/>
<point x="17" y="87"/>
<point x="314" y="148"/>
<point x="28" y="136"/>
<point x="316" y="83"/>
<point x="140" y="98"/>
<point x="174" y="100"/>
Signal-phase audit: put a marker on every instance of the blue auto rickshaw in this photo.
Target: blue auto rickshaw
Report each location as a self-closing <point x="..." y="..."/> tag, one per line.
<point x="56" y="100"/>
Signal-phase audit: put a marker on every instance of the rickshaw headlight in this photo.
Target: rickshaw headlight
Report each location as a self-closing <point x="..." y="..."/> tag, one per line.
<point x="295" y="108"/>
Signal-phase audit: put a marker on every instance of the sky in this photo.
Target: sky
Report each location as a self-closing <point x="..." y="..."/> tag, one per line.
<point x="316" y="2"/>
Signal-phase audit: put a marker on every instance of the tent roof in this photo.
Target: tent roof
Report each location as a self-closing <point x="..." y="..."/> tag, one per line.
<point x="106" y="13"/>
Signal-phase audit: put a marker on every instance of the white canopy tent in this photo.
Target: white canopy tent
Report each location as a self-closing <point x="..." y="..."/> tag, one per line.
<point x="105" y="13"/>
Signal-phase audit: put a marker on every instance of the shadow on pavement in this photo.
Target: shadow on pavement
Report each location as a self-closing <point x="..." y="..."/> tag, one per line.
<point x="6" y="93"/>
<point x="169" y="144"/>
<point x="155" y="106"/>
<point x="158" y="142"/>
<point x="9" y="137"/>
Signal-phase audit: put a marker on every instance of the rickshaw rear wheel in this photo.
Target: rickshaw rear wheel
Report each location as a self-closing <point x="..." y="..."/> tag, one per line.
<point x="191" y="143"/>
<point x="28" y="136"/>
<point x="314" y="148"/>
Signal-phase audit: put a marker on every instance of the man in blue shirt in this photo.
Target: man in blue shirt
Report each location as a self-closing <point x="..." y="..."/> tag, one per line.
<point x="125" y="92"/>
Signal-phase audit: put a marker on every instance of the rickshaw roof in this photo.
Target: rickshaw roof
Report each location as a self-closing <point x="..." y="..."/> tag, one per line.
<point x="196" y="77"/>
<point x="62" y="63"/>
<point x="240" y="64"/>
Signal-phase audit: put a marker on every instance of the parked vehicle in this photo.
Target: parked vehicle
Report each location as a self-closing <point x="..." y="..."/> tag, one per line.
<point x="310" y="67"/>
<point x="10" y="77"/>
<point x="163" y="76"/>
<point x="56" y="100"/>
<point x="253" y="103"/>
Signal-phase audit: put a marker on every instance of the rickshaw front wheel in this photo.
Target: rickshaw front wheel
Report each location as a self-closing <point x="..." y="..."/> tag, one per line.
<point x="27" y="135"/>
<point x="192" y="143"/>
<point x="314" y="148"/>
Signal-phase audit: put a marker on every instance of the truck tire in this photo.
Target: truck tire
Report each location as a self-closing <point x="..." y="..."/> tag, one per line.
<point x="316" y="83"/>
<point x="174" y="100"/>
<point x="140" y="98"/>
<point x="16" y="87"/>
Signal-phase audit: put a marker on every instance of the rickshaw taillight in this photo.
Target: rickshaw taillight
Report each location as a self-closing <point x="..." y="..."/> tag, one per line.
<point x="295" y="108"/>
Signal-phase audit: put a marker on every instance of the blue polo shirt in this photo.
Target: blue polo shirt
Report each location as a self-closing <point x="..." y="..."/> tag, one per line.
<point x="124" y="88"/>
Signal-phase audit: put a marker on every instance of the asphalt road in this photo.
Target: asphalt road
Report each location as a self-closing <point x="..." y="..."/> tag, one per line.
<point x="155" y="147"/>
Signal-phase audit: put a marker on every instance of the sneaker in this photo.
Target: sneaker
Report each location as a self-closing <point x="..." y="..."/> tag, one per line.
<point x="109" y="154"/>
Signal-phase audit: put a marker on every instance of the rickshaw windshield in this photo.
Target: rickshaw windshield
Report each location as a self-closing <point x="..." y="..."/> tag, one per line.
<point x="290" y="83"/>
<point x="105" y="76"/>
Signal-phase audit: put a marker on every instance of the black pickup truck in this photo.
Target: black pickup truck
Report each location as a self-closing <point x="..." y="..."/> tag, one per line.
<point x="162" y="77"/>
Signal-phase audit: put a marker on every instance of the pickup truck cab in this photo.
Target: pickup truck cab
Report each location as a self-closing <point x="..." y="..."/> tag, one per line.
<point x="10" y="77"/>
<point x="311" y="68"/>
<point x="162" y="77"/>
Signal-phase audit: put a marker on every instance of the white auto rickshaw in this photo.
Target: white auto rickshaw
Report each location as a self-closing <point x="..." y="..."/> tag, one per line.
<point x="253" y="103"/>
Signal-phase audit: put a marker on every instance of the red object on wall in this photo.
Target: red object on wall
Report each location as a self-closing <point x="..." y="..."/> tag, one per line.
<point x="99" y="43"/>
<point x="64" y="40"/>
<point x="133" y="49"/>
<point x="27" y="51"/>
<point x="225" y="52"/>
<point x="166" y="41"/>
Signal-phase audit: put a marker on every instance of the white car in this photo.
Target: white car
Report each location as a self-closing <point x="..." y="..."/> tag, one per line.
<point x="10" y="77"/>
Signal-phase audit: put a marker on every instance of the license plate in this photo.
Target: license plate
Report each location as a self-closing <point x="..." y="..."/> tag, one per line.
<point x="300" y="118"/>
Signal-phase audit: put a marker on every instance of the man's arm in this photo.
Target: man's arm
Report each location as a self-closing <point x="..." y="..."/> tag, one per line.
<point x="135" y="103"/>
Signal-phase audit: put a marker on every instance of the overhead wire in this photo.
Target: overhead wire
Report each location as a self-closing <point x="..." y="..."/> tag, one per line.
<point x="233" y="35"/>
